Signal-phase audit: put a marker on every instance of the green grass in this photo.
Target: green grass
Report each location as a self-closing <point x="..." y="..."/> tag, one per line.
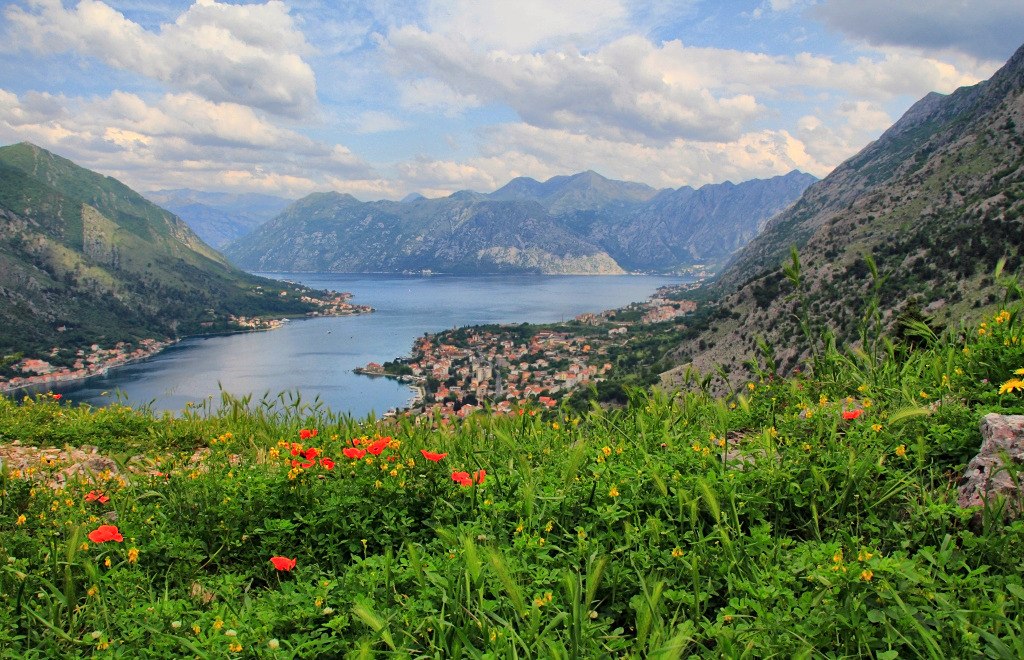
<point x="759" y="524"/>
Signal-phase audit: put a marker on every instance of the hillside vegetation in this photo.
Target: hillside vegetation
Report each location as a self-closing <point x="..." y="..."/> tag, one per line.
<point x="923" y="214"/>
<point x="809" y="516"/>
<point x="84" y="260"/>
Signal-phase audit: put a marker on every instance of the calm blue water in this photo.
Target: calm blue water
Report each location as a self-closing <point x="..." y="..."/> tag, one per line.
<point x="316" y="356"/>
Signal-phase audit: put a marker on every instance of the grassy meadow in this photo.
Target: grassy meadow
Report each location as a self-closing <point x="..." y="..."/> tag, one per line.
<point x="809" y="516"/>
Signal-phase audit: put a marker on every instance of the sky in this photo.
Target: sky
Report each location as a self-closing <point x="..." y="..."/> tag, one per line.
<point x="382" y="98"/>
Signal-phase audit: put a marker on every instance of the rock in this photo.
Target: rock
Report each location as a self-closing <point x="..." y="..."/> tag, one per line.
<point x="987" y="476"/>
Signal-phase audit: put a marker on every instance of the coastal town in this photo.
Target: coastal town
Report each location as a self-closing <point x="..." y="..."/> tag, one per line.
<point x="507" y="367"/>
<point x="95" y="360"/>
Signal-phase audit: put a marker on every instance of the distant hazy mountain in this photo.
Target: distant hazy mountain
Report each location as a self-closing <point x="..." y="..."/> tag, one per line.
<point x="937" y="201"/>
<point x="462" y="233"/>
<point x="583" y="223"/>
<point x="84" y="259"/>
<point x="219" y="218"/>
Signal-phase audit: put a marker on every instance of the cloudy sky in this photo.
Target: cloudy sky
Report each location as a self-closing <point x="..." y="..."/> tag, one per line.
<point x="380" y="98"/>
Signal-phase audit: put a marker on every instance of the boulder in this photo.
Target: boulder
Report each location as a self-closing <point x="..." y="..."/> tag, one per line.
<point x="995" y="473"/>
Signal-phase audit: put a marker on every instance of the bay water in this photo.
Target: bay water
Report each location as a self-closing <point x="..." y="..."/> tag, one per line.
<point x="314" y="358"/>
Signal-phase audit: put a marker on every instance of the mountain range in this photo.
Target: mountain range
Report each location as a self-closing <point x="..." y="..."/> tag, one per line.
<point x="84" y="260"/>
<point x="584" y="223"/>
<point x="217" y="217"/>
<point x="936" y="202"/>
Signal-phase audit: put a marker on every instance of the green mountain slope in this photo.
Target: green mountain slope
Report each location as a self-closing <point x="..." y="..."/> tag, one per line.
<point x="84" y="259"/>
<point x="937" y="200"/>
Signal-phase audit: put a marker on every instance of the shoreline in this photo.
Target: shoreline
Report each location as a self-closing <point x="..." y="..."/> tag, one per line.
<point x="155" y="347"/>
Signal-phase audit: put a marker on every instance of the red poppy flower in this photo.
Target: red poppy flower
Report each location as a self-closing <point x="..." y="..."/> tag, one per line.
<point x="57" y="396"/>
<point x="105" y="533"/>
<point x="306" y="434"/>
<point x="852" y="414"/>
<point x="295" y="451"/>
<point x="462" y="478"/>
<point x="295" y="464"/>
<point x="356" y="442"/>
<point x="282" y="563"/>
<point x="431" y="456"/>
<point x="379" y="445"/>
<point x="96" y="496"/>
<point x="308" y="464"/>
<point x="478" y="476"/>
<point x="327" y="463"/>
<point x="312" y="453"/>
<point x="353" y="453"/>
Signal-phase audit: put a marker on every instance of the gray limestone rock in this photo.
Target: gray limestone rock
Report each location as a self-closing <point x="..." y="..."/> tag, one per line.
<point x="996" y="470"/>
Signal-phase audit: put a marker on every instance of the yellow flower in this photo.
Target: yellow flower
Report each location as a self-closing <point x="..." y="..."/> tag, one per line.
<point x="838" y="557"/>
<point x="751" y="387"/>
<point x="864" y="555"/>
<point x="1012" y="385"/>
<point x="695" y="446"/>
<point x="195" y="628"/>
<point x="218" y="624"/>
<point x="923" y="394"/>
<point x="677" y="552"/>
<point x="21" y="521"/>
<point x="106" y="562"/>
<point x="806" y="447"/>
<point x="93" y="590"/>
<point x="541" y="541"/>
<point x="1019" y="372"/>
<point x="876" y="427"/>
<point x="548" y="527"/>
<point x="235" y="647"/>
<point x="133" y="555"/>
<point x="866" y="575"/>
<point x="378" y="484"/>
<point x="607" y="451"/>
<point x="901" y="451"/>
<point x="554" y="425"/>
<point x="613" y="492"/>
<point x="822" y="400"/>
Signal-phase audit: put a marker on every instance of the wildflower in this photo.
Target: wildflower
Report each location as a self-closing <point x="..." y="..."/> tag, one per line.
<point x="607" y="451"/>
<point x="822" y="400"/>
<point x="273" y="644"/>
<point x="923" y="394"/>
<point x="106" y="562"/>
<point x="378" y="484"/>
<point x="218" y="624"/>
<point x="805" y="447"/>
<point x="96" y="496"/>
<point x="864" y="555"/>
<point x="133" y="555"/>
<point x="353" y="452"/>
<point x="311" y="453"/>
<point x="852" y="414"/>
<point x="432" y="456"/>
<point x="378" y="445"/>
<point x="751" y="387"/>
<point x="677" y="552"/>
<point x="92" y="591"/>
<point x="21" y="520"/>
<point x="838" y="557"/>
<point x="176" y="625"/>
<point x="1012" y="385"/>
<point x="306" y="434"/>
<point x="105" y="533"/>
<point x="876" y="427"/>
<point x="866" y="575"/>
<point x="613" y="492"/>
<point x="554" y="425"/>
<point x="283" y="563"/>
<point x="327" y="463"/>
<point x="84" y="546"/>
<point x="1019" y="372"/>
<point x="196" y="629"/>
<point x="462" y="478"/>
<point x="235" y="647"/>
<point x="901" y="451"/>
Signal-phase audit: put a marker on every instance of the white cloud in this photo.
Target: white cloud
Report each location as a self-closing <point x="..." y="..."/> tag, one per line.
<point x="428" y="95"/>
<point x="525" y="25"/>
<point x="246" y="54"/>
<point x="985" y="29"/>
<point x="178" y="140"/>
<point x="613" y="92"/>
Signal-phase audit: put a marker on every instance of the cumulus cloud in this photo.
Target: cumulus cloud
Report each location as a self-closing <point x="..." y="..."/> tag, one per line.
<point x="613" y="92"/>
<point x="986" y="29"/>
<point x="246" y="54"/>
<point x="525" y="25"/>
<point x="178" y="140"/>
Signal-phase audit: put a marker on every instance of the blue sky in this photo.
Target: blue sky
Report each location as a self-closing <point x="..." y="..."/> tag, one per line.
<point x="380" y="98"/>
